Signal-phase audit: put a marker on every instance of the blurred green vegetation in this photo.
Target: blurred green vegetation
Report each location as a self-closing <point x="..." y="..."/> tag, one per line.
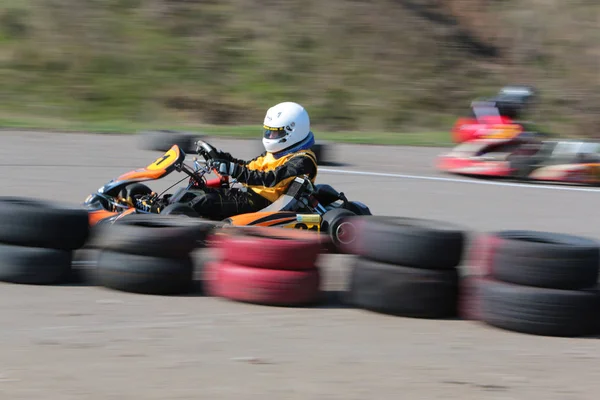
<point x="362" y="66"/>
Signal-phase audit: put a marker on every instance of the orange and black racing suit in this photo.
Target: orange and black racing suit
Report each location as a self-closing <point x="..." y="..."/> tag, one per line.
<point x="266" y="178"/>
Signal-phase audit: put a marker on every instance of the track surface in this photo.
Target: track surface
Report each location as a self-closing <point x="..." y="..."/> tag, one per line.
<point x="74" y="342"/>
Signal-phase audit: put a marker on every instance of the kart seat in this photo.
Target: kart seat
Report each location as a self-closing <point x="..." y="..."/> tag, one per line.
<point x="284" y="203"/>
<point x="290" y="200"/>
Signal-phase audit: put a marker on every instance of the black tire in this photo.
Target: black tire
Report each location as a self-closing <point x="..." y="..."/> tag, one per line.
<point x="333" y="222"/>
<point x="322" y="150"/>
<point x="403" y="291"/>
<point x="545" y="259"/>
<point x="411" y="242"/>
<point x="34" y="265"/>
<point x="180" y="209"/>
<point x="40" y="223"/>
<point x="163" y="140"/>
<point x="539" y="311"/>
<point x="153" y="235"/>
<point x="144" y="274"/>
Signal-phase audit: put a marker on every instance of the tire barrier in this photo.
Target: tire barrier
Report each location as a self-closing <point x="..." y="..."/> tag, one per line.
<point x="37" y="240"/>
<point x="163" y="140"/>
<point x="477" y="266"/>
<point x="149" y="254"/>
<point x="406" y="266"/>
<point x="541" y="283"/>
<point x="266" y="266"/>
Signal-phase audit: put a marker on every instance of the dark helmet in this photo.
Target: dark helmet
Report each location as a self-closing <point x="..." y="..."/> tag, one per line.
<point x="512" y="101"/>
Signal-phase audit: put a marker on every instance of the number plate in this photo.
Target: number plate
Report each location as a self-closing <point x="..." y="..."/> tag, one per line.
<point x="163" y="162"/>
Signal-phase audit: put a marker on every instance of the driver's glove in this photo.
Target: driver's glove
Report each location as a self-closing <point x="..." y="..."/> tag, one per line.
<point x="227" y="167"/>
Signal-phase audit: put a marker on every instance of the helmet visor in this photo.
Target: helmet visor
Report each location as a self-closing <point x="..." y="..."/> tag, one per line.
<point x="273" y="133"/>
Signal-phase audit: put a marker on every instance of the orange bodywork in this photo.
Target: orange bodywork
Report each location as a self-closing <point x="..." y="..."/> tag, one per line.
<point x="263" y="218"/>
<point x="96" y="216"/>
<point x="141" y="174"/>
<point x="160" y="167"/>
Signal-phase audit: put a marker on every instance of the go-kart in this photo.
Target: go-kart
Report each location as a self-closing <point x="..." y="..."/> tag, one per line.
<point x="318" y="208"/>
<point x="526" y="158"/>
<point x="493" y="143"/>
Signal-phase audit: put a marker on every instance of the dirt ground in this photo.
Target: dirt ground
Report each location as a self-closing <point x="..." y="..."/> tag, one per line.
<point x="78" y="342"/>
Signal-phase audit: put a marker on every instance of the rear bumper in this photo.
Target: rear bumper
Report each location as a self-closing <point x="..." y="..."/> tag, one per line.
<point x="468" y="166"/>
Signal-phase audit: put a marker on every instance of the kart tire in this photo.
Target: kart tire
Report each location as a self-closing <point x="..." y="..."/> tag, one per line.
<point x="481" y="253"/>
<point x="276" y="287"/>
<point x="34" y="265"/>
<point x="340" y="228"/>
<point x="40" y="223"/>
<point x="144" y="274"/>
<point x="153" y="235"/>
<point x="258" y="247"/>
<point x="469" y="297"/>
<point x="320" y="148"/>
<point x="180" y="209"/>
<point x="163" y="140"/>
<point x="545" y="259"/>
<point x="411" y="242"/>
<point x="321" y="151"/>
<point x="539" y="311"/>
<point x="403" y="291"/>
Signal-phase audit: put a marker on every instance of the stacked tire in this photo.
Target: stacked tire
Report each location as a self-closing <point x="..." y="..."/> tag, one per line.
<point x="149" y="254"/>
<point x="267" y="266"/>
<point x="406" y="266"/>
<point x="37" y="240"/>
<point x="541" y="283"/>
<point x="163" y="140"/>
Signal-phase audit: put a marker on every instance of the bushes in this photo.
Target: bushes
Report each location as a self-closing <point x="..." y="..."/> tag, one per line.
<point x="352" y="63"/>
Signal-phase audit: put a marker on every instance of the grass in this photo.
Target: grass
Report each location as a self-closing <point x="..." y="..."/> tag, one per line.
<point x="237" y="131"/>
<point x="360" y="68"/>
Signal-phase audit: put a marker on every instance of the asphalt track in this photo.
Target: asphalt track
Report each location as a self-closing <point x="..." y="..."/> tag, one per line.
<point x="77" y="342"/>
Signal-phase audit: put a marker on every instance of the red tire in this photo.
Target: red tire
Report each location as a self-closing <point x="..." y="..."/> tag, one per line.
<point x="479" y="260"/>
<point x="263" y="286"/>
<point x="469" y="298"/>
<point x="270" y="248"/>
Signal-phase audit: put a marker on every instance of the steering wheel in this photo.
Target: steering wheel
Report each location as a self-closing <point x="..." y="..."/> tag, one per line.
<point x="206" y="150"/>
<point x="210" y="154"/>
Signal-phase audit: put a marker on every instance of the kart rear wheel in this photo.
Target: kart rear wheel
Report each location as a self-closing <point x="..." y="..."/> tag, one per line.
<point x="341" y="231"/>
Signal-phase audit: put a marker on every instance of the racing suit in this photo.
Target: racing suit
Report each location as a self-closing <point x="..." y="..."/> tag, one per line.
<point x="266" y="178"/>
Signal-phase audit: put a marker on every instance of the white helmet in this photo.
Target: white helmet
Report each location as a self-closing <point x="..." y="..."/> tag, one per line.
<point x="285" y="125"/>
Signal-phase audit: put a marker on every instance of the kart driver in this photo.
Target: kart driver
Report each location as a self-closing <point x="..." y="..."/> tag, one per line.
<point x="287" y="139"/>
